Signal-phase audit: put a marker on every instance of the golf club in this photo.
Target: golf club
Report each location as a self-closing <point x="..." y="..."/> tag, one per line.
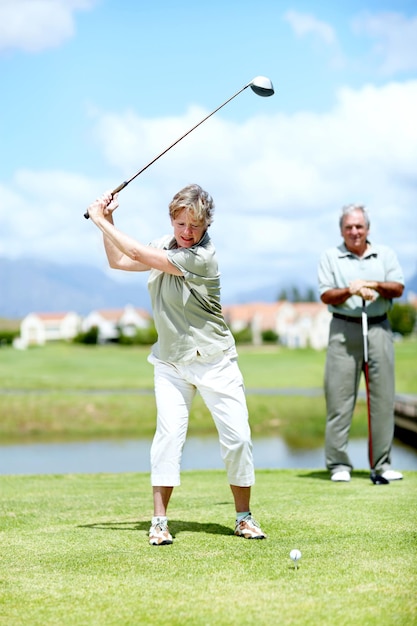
<point x="377" y="479"/>
<point x="261" y="85"/>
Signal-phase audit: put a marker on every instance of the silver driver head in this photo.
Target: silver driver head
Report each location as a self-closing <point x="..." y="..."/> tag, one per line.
<point x="262" y="86"/>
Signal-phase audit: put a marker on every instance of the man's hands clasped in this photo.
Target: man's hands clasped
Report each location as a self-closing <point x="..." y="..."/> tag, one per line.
<point x="366" y="289"/>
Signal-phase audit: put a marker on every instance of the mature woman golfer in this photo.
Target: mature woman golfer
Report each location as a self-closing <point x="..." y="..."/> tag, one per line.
<point x="195" y="349"/>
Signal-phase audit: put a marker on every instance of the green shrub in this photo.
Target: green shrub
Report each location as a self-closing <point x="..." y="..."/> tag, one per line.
<point x="90" y="337"/>
<point x="142" y="337"/>
<point x="269" y="336"/>
<point x="402" y="318"/>
<point x="243" y="336"/>
<point x="7" y="336"/>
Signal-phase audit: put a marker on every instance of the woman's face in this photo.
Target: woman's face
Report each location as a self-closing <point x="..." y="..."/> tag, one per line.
<point x="187" y="230"/>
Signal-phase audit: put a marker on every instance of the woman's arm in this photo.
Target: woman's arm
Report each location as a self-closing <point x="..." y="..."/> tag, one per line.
<point x="124" y="252"/>
<point x="117" y="259"/>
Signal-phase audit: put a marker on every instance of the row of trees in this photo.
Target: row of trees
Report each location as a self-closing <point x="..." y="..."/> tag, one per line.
<point x="293" y="294"/>
<point x="142" y="337"/>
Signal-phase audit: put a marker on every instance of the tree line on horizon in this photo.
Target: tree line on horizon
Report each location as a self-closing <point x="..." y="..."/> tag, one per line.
<point x="293" y="294"/>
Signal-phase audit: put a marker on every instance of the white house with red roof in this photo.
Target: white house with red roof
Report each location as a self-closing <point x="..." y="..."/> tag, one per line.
<point x="38" y="328"/>
<point x="297" y="324"/>
<point x="309" y="326"/>
<point x="110" y="321"/>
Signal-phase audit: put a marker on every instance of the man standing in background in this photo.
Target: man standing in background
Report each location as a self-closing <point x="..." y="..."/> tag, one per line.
<point x="352" y="272"/>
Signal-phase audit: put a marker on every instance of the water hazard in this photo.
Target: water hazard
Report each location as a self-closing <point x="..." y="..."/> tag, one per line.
<point x="129" y="455"/>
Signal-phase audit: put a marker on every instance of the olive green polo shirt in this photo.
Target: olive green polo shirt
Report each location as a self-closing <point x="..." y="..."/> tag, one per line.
<point x="186" y="309"/>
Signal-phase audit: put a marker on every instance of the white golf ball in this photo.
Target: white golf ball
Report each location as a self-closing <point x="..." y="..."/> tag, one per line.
<point x="295" y="555"/>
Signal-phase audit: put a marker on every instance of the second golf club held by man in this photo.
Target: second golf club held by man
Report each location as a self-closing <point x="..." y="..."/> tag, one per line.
<point x="356" y="271"/>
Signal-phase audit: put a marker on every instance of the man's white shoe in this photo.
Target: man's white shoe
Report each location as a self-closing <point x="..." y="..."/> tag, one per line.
<point x="341" y="477"/>
<point x="392" y="475"/>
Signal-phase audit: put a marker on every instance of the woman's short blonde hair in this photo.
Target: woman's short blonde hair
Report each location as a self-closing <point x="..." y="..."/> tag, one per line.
<point x="194" y="200"/>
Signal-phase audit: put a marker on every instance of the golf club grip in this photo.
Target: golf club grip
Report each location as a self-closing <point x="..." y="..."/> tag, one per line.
<point x="120" y="187"/>
<point x="113" y="193"/>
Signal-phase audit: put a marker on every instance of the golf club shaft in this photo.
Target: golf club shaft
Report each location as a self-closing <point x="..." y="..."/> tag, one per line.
<point x="126" y="182"/>
<point x="366" y="373"/>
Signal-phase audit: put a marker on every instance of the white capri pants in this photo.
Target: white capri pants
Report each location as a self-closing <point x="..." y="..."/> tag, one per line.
<point x="220" y="383"/>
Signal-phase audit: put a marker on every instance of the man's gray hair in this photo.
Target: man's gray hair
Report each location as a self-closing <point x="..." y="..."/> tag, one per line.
<point x="350" y="208"/>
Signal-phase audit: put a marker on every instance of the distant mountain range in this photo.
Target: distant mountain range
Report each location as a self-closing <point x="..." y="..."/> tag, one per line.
<point x="34" y="285"/>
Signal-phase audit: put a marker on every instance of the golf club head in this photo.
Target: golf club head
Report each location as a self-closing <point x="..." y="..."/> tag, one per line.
<point x="377" y="479"/>
<point x="262" y="86"/>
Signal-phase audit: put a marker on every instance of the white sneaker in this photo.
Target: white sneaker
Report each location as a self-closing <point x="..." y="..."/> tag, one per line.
<point x="249" y="528"/>
<point x="159" y="534"/>
<point x="392" y="475"/>
<point x="341" y="477"/>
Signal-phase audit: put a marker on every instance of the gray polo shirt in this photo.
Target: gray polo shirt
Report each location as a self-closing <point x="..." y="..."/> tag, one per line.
<point x="338" y="267"/>
<point x="186" y="309"/>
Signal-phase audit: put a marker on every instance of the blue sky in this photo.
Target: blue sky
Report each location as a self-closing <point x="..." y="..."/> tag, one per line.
<point x="92" y="90"/>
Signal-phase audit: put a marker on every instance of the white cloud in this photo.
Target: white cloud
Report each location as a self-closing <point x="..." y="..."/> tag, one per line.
<point x="395" y="40"/>
<point x="322" y="34"/>
<point x="306" y="24"/>
<point x="277" y="175"/>
<point x="34" y="25"/>
<point x="278" y="182"/>
<point x="42" y="216"/>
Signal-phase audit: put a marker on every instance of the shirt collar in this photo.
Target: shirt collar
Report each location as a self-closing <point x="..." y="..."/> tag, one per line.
<point x="344" y="252"/>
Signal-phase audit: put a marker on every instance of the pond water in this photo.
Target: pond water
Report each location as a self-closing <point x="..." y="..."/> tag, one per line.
<point x="199" y="454"/>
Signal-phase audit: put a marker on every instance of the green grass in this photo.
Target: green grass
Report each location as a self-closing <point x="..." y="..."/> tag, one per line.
<point x="59" y="400"/>
<point x="62" y="366"/>
<point x="76" y="367"/>
<point x="74" y="552"/>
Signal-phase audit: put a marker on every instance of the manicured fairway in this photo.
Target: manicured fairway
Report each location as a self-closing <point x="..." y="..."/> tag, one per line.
<point x="74" y="552"/>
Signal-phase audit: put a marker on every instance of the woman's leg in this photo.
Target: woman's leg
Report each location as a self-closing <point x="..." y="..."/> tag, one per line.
<point x="173" y="397"/>
<point x="220" y="383"/>
<point x="161" y="497"/>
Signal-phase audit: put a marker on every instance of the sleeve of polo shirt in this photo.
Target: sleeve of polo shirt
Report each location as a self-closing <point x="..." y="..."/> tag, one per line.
<point x="326" y="277"/>
<point x="393" y="270"/>
<point x="192" y="262"/>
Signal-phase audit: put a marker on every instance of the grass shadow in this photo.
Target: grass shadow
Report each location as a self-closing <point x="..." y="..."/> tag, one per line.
<point x="325" y="475"/>
<point x="175" y="527"/>
<point x="318" y="474"/>
<point x="363" y="474"/>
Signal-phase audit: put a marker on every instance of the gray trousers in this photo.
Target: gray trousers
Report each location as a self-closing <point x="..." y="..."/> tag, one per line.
<point x="344" y="365"/>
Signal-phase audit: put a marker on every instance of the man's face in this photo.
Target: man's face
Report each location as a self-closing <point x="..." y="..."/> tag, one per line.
<point x="355" y="232"/>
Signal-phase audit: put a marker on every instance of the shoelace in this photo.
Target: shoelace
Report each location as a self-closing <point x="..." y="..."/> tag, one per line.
<point x="253" y="524"/>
